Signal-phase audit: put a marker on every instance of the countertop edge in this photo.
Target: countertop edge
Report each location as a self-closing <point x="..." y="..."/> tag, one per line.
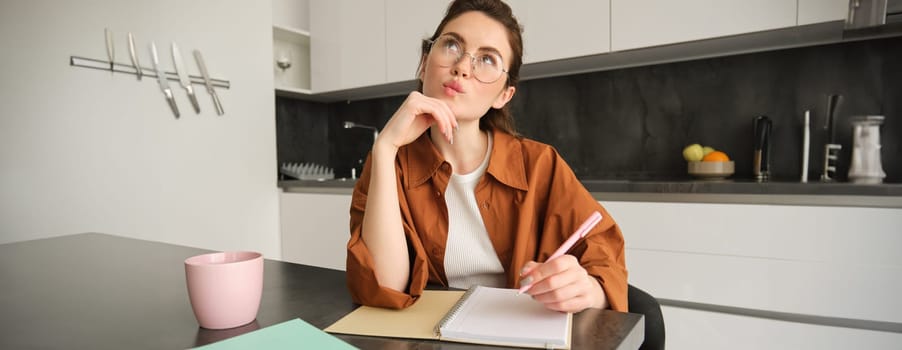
<point x="679" y="192"/>
<point x="754" y="199"/>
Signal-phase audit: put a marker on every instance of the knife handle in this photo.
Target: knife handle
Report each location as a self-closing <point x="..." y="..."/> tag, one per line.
<point x="217" y="104"/>
<point x="193" y="97"/>
<point x="132" y="53"/>
<point x="110" y="51"/>
<point x="172" y="105"/>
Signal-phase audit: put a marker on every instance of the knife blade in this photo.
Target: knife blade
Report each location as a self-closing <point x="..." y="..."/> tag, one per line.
<point x="183" y="76"/>
<point x="207" y="81"/>
<point x="134" y="56"/>
<point x="161" y="78"/>
<point x="110" y="49"/>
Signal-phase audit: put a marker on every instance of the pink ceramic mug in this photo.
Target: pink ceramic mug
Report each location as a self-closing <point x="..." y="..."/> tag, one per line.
<point x="225" y="288"/>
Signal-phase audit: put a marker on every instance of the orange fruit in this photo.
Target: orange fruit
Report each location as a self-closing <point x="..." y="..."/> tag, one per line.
<point x="716" y="156"/>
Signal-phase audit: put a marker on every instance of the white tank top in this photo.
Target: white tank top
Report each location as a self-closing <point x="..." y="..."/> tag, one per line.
<point x="469" y="256"/>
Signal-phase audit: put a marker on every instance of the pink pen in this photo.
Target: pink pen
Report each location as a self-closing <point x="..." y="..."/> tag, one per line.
<point x="581" y="232"/>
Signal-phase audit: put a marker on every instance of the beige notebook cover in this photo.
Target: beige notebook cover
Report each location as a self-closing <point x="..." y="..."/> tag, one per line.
<point x="482" y="315"/>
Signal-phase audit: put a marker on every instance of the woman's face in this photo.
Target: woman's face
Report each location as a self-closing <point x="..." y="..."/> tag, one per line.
<point x="456" y="84"/>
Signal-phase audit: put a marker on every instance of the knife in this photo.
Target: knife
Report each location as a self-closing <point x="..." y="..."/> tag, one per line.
<point x="161" y="77"/>
<point x="110" y="49"/>
<point x="134" y="56"/>
<point x="207" y="81"/>
<point x="183" y="76"/>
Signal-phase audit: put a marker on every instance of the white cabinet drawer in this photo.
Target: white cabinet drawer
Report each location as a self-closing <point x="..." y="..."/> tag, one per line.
<point x="702" y="330"/>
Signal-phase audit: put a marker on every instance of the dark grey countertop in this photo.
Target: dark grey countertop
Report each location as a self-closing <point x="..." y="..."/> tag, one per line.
<point x="706" y="191"/>
<point x="98" y="291"/>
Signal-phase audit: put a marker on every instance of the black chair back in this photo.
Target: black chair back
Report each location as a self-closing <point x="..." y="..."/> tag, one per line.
<point x="641" y="302"/>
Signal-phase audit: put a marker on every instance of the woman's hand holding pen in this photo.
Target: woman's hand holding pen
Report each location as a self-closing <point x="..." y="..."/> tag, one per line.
<point x="561" y="284"/>
<point x="416" y="114"/>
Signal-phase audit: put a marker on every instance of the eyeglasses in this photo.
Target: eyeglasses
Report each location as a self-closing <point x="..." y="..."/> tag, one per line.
<point x="487" y="65"/>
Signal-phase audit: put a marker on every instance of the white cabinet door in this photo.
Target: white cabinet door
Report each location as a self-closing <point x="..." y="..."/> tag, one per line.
<point x="816" y="11"/>
<point x="315" y="228"/>
<point x="347" y="41"/>
<point x="407" y="23"/>
<point x="563" y="29"/>
<point x="291" y="14"/>
<point x="689" y="329"/>
<point x="781" y="260"/>
<point x="645" y="23"/>
<point x="778" y="258"/>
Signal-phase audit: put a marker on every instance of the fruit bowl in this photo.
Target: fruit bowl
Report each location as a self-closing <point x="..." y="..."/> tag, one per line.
<point x="711" y="170"/>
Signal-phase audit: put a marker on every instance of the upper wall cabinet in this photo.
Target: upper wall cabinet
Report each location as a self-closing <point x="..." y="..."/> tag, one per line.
<point x="347" y="44"/>
<point x="291" y="46"/>
<point x="563" y="29"/>
<point x="645" y="23"/>
<point x="367" y="48"/>
<point x="817" y="11"/>
<point x="407" y="23"/>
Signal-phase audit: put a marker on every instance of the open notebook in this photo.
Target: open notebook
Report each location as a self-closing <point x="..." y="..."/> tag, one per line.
<point x="482" y="315"/>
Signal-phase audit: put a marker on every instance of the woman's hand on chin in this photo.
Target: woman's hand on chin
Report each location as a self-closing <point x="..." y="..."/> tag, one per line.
<point x="416" y="114"/>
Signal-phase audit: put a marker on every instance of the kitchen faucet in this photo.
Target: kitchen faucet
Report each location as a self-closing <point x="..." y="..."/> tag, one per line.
<point x="348" y="125"/>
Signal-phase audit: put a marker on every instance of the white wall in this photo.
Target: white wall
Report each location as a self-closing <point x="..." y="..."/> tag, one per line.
<point x="85" y="150"/>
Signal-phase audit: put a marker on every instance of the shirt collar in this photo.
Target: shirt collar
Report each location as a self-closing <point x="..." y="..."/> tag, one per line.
<point x="506" y="164"/>
<point x="421" y="160"/>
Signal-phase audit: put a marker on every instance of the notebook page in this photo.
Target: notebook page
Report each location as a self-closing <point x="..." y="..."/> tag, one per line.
<point x="500" y="315"/>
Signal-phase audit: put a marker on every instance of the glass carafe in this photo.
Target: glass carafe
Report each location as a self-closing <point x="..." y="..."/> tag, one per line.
<point x="866" y="166"/>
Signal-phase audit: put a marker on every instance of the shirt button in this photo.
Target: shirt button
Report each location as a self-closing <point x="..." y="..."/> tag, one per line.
<point x="485" y="205"/>
<point x="445" y="167"/>
<point x="438" y="193"/>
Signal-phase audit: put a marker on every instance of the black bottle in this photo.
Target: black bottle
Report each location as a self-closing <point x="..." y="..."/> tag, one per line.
<point x="761" y="159"/>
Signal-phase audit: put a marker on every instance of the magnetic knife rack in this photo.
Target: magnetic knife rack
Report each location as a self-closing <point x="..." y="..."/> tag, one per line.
<point x="104" y="65"/>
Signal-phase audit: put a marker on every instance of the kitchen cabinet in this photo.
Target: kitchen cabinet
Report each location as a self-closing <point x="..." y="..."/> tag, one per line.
<point x="364" y="49"/>
<point x="407" y="23"/>
<point x="818" y="11"/>
<point x="706" y="330"/>
<point x="291" y="47"/>
<point x="347" y="41"/>
<point x="563" y="29"/>
<point x="315" y="228"/>
<point x="787" y="264"/>
<point x="553" y="31"/>
<point x="646" y="23"/>
<point x="291" y="60"/>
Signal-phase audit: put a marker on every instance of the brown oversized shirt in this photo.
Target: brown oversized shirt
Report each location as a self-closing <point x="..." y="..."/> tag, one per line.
<point x="530" y="202"/>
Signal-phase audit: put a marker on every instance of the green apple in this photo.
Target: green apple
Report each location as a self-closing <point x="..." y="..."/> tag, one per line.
<point x="693" y="152"/>
<point x="707" y="149"/>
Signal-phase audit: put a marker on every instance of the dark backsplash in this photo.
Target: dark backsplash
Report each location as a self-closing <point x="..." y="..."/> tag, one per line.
<point x="633" y="123"/>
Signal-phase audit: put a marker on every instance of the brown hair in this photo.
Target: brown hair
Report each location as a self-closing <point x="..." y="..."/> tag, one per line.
<point x="494" y="119"/>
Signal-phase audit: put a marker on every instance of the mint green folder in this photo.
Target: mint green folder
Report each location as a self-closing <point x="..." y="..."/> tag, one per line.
<point x="294" y="334"/>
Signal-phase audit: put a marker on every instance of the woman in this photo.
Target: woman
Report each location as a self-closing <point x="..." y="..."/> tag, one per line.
<point x="452" y="195"/>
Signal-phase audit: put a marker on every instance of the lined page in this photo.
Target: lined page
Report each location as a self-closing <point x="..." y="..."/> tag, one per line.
<point x="501" y="316"/>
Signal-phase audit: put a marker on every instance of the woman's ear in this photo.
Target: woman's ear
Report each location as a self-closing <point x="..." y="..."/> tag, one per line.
<point x="504" y="97"/>
<point x="421" y="68"/>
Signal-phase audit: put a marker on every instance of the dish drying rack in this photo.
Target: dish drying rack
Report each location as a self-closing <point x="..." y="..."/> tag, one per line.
<point x="307" y="171"/>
